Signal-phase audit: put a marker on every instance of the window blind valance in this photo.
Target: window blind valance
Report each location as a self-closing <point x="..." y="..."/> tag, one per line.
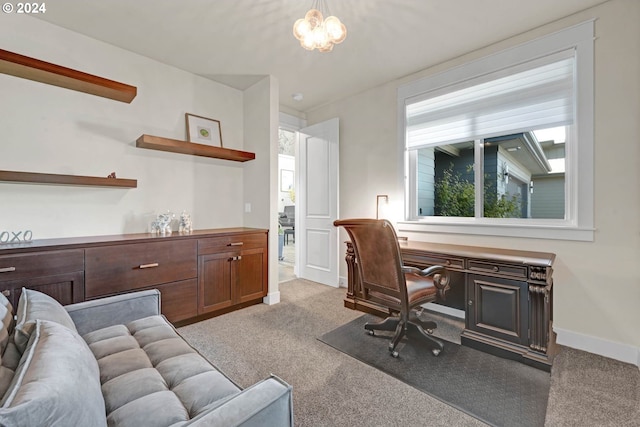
<point x="534" y="95"/>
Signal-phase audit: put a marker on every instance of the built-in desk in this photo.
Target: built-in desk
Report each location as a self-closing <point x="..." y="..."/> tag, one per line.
<point x="506" y="296"/>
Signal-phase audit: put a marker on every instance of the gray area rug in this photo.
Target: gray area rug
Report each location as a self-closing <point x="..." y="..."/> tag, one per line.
<point x="497" y="391"/>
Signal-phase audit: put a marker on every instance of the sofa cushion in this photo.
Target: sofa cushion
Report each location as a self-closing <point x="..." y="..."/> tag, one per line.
<point x="56" y="384"/>
<point x="6" y="322"/>
<point x="8" y="362"/>
<point x="151" y="376"/>
<point x="36" y="305"/>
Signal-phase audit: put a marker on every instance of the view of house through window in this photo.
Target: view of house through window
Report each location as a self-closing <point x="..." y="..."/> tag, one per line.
<point x="522" y="176"/>
<point x="503" y="145"/>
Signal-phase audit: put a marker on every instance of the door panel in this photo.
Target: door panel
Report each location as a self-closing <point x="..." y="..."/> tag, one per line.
<point x="250" y="275"/>
<point x="214" y="282"/>
<point x="497" y="308"/>
<point x="318" y="256"/>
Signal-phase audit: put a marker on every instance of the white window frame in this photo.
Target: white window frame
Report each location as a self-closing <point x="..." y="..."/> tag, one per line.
<point x="579" y="178"/>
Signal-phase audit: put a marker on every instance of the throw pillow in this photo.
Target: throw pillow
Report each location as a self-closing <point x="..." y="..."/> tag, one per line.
<point x="57" y="382"/>
<point x="36" y="305"/>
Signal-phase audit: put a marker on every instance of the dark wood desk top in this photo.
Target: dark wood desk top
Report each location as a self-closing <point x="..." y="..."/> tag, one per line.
<point x="503" y="255"/>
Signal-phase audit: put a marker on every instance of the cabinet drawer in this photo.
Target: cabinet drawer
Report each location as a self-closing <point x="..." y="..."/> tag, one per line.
<point x="22" y="266"/>
<point x="179" y="300"/>
<point x="120" y="268"/>
<point x="429" y="259"/>
<point x="236" y="242"/>
<point x="519" y="271"/>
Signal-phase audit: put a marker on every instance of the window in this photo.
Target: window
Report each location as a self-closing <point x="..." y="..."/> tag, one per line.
<point x="504" y="145"/>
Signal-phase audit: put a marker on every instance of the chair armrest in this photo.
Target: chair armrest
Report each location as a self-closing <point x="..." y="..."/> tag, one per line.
<point x="441" y="278"/>
<point x="116" y="310"/>
<point x="267" y="403"/>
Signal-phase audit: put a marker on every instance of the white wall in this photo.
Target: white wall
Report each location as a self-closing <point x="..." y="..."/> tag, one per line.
<point x="261" y="180"/>
<point x="49" y="129"/>
<point x="597" y="284"/>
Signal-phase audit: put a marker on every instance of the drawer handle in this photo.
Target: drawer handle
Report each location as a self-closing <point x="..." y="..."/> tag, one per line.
<point x="448" y="262"/>
<point x="235" y="258"/>
<point x="7" y="269"/>
<point x="496" y="269"/>
<point x="236" y="244"/>
<point x="155" y="264"/>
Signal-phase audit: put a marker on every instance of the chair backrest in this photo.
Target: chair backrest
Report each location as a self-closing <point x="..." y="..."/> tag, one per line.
<point x="377" y="254"/>
<point x="290" y="211"/>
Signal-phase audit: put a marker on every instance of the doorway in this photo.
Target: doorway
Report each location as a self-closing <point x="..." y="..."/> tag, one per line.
<point x="286" y="204"/>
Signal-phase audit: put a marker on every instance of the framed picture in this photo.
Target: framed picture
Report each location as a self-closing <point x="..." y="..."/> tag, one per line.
<point x="286" y="180"/>
<point x="202" y="130"/>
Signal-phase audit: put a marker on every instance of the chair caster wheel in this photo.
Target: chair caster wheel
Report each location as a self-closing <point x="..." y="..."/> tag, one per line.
<point x="370" y="332"/>
<point x="394" y="354"/>
<point x="436" y="352"/>
<point x="430" y="331"/>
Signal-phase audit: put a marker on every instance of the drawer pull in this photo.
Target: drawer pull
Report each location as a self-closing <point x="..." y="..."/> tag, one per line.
<point x="236" y="244"/>
<point x="7" y="269"/>
<point x="496" y="269"/>
<point x="155" y="264"/>
<point x="235" y="258"/>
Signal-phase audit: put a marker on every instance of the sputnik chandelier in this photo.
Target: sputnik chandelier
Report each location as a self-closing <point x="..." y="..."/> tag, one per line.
<point x="316" y="32"/>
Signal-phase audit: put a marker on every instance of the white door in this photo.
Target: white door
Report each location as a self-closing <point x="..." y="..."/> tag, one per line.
<point x="317" y="205"/>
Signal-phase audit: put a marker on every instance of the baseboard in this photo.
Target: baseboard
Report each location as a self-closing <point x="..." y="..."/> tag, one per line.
<point x="342" y="282"/>
<point x="613" y="350"/>
<point x="272" y="298"/>
<point x="453" y="312"/>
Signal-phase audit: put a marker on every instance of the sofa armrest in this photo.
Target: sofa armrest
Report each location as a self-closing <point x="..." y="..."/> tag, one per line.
<point x="267" y="403"/>
<point x="120" y="309"/>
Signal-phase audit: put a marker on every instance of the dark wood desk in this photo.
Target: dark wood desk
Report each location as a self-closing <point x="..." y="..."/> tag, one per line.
<point x="506" y="295"/>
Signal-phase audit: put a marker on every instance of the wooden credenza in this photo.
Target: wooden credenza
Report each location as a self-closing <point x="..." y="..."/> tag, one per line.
<point x="200" y="275"/>
<point x="506" y="296"/>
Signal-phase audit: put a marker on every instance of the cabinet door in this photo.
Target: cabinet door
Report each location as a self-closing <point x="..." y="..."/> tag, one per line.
<point x="65" y="288"/>
<point x="215" y="290"/>
<point x="498" y="307"/>
<point x="250" y="271"/>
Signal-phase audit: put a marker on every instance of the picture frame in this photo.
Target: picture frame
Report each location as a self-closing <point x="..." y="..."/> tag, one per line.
<point x="286" y="180"/>
<point x="203" y="130"/>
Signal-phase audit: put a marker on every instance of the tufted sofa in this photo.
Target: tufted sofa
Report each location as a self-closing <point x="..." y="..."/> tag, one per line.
<point x="116" y="361"/>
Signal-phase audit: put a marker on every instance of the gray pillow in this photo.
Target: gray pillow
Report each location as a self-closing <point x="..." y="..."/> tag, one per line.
<point x="57" y="382"/>
<point x="36" y="305"/>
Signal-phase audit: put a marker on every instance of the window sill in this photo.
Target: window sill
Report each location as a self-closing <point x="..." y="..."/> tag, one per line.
<point x="537" y="231"/>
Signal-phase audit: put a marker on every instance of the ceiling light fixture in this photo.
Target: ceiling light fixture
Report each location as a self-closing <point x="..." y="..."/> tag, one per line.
<point x="316" y="32"/>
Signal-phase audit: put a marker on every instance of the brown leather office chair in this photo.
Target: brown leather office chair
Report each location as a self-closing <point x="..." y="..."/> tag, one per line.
<point x="386" y="281"/>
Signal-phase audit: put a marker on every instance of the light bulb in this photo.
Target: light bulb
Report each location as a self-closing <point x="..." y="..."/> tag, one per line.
<point x="327" y="48"/>
<point x="320" y="37"/>
<point x="333" y="26"/>
<point x="342" y="36"/>
<point x="301" y="28"/>
<point x="307" y="41"/>
<point x="314" y="17"/>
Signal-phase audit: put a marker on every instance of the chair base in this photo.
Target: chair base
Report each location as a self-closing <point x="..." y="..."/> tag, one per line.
<point x="424" y="330"/>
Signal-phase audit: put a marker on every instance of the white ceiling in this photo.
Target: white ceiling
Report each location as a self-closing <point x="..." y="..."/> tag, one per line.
<point x="236" y="42"/>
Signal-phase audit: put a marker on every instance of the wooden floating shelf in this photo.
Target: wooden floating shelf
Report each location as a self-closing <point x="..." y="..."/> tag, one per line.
<point x="184" y="147"/>
<point x="49" y="178"/>
<point x="46" y="72"/>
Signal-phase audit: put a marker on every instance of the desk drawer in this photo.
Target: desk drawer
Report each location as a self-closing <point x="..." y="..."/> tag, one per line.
<point x="121" y="268"/>
<point x="37" y="264"/>
<point x="519" y="271"/>
<point x="232" y="243"/>
<point x="409" y="258"/>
